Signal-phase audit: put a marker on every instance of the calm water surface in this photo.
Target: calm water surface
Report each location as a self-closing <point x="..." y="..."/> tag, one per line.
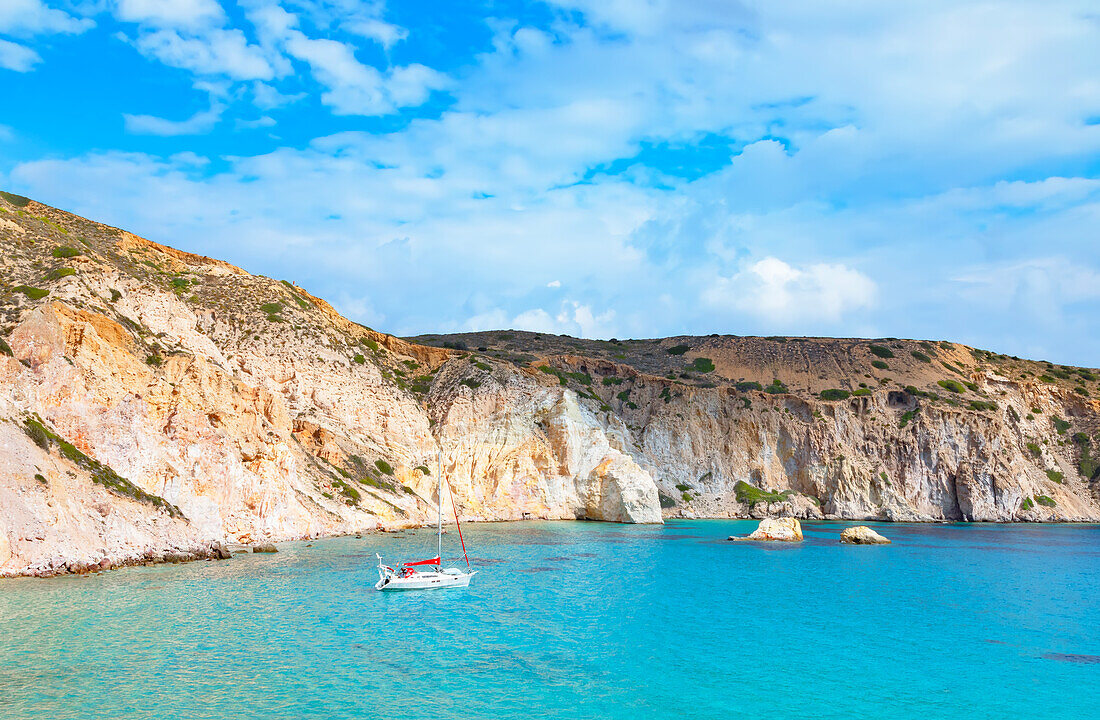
<point x="579" y="620"/>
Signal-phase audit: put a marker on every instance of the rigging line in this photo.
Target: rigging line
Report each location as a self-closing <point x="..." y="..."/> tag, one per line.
<point x="459" y="526"/>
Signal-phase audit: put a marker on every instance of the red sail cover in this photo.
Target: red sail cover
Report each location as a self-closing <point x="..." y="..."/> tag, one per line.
<point x="433" y="561"/>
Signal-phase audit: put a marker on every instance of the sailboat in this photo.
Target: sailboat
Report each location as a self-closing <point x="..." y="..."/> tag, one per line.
<point x="410" y="576"/>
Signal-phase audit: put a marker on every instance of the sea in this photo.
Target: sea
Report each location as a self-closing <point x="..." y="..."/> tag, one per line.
<point x="578" y="620"/>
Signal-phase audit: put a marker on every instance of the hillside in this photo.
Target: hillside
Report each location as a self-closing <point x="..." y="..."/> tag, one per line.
<point x="155" y="403"/>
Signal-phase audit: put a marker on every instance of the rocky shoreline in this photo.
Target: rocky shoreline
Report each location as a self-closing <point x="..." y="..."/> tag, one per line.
<point x="150" y="398"/>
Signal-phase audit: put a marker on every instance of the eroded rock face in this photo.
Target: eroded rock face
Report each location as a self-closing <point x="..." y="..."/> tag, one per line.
<point x="775" y="530"/>
<point x="862" y="535"/>
<point x="263" y="415"/>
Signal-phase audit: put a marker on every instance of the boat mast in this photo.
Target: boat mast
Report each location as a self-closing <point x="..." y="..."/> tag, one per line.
<point x="439" y="503"/>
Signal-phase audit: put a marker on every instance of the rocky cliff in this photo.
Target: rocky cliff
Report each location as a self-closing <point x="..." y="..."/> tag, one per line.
<point x="155" y="402"/>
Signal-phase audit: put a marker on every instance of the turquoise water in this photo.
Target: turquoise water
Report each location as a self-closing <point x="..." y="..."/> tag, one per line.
<point x="579" y="620"/>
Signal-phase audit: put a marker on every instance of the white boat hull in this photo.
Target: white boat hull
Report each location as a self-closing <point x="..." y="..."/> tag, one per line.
<point x="424" y="581"/>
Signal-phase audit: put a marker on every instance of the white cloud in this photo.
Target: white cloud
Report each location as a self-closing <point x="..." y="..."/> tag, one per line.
<point x="385" y="34"/>
<point x="6" y="133"/>
<point x="357" y="89"/>
<point x="865" y="141"/>
<point x="190" y="14"/>
<point x="197" y="124"/>
<point x="260" y="122"/>
<point x="32" y="17"/>
<point x="780" y="293"/>
<point x="215" y="52"/>
<point x="554" y="284"/>
<point x="17" y="57"/>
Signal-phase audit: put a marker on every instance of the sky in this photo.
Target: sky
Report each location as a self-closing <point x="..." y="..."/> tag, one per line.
<point x="601" y="168"/>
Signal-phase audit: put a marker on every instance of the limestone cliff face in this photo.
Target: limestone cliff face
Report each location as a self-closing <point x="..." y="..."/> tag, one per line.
<point x="154" y="402"/>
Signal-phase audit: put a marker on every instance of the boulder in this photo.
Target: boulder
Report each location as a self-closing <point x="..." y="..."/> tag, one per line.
<point x="219" y="551"/>
<point x="862" y="535"/>
<point x="785" y="529"/>
<point x="264" y="548"/>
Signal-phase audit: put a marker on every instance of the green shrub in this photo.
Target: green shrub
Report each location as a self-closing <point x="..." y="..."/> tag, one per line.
<point x="834" y="394"/>
<point x="681" y="487"/>
<point x="665" y="500"/>
<point x="951" y="386"/>
<point x="115" y="295"/>
<point x="880" y="365"/>
<point x="973" y="387"/>
<point x="423" y="469"/>
<point x="1027" y="504"/>
<point x="5" y="349"/>
<point x="1047" y="379"/>
<point x="1045" y="500"/>
<point x="702" y="364"/>
<point x="1055" y="476"/>
<point x="65" y="252"/>
<point x="274" y="318"/>
<point x="154" y="360"/>
<point x="59" y="273"/>
<point x="472" y="384"/>
<point x="883" y="352"/>
<point x="359" y="359"/>
<point x="678" y="349"/>
<point x="272" y="308"/>
<point x="906" y="417"/>
<point x="750" y="494"/>
<point x="1034" y="449"/>
<point x="32" y="292"/>
<point x="17" y="200"/>
<point x="1060" y="425"/>
<point x="624" y="395"/>
<point x="383" y="467"/>
<point x="372" y="345"/>
<point x="665" y="395"/>
<point x="612" y="381"/>
<point x="776" y="388"/>
<point x="920" y="356"/>
<point x="980" y="405"/>
<point x="749" y="385"/>
<point x="862" y="392"/>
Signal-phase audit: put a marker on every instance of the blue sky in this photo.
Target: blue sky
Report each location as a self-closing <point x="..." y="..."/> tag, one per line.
<point x="603" y="168"/>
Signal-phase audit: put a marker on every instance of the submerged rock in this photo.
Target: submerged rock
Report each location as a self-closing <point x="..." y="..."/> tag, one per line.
<point x="862" y="535"/>
<point x="264" y="548"/>
<point x="775" y="529"/>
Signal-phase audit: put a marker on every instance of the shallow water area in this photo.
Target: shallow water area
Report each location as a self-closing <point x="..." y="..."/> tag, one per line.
<point x="578" y="620"/>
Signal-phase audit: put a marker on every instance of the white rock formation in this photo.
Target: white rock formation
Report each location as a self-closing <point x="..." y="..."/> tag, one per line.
<point x="862" y="535"/>
<point x="785" y="529"/>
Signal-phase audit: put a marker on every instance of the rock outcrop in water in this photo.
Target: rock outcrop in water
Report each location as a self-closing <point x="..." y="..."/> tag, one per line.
<point x="155" y="402"/>
<point x="862" y="535"/>
<point x="785" y="529"/>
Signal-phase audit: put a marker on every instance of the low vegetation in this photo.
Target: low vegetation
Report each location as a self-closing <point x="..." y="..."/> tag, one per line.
<point x="702" y="364"/>
<point x="881" y="351"/>
<point x="750" y="494"/>
<point x="951" y="386"/>
<point x="678" y="349"/>
<point x="34" y="293"/>
<point x="101" y="474"/>
<point x="833" y="394"/>
<point x="65" y="252"/>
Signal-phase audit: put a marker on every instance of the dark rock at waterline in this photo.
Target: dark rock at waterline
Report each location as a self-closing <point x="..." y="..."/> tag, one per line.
<point x="264" y="548"/>
<point x="220" y="551"/>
